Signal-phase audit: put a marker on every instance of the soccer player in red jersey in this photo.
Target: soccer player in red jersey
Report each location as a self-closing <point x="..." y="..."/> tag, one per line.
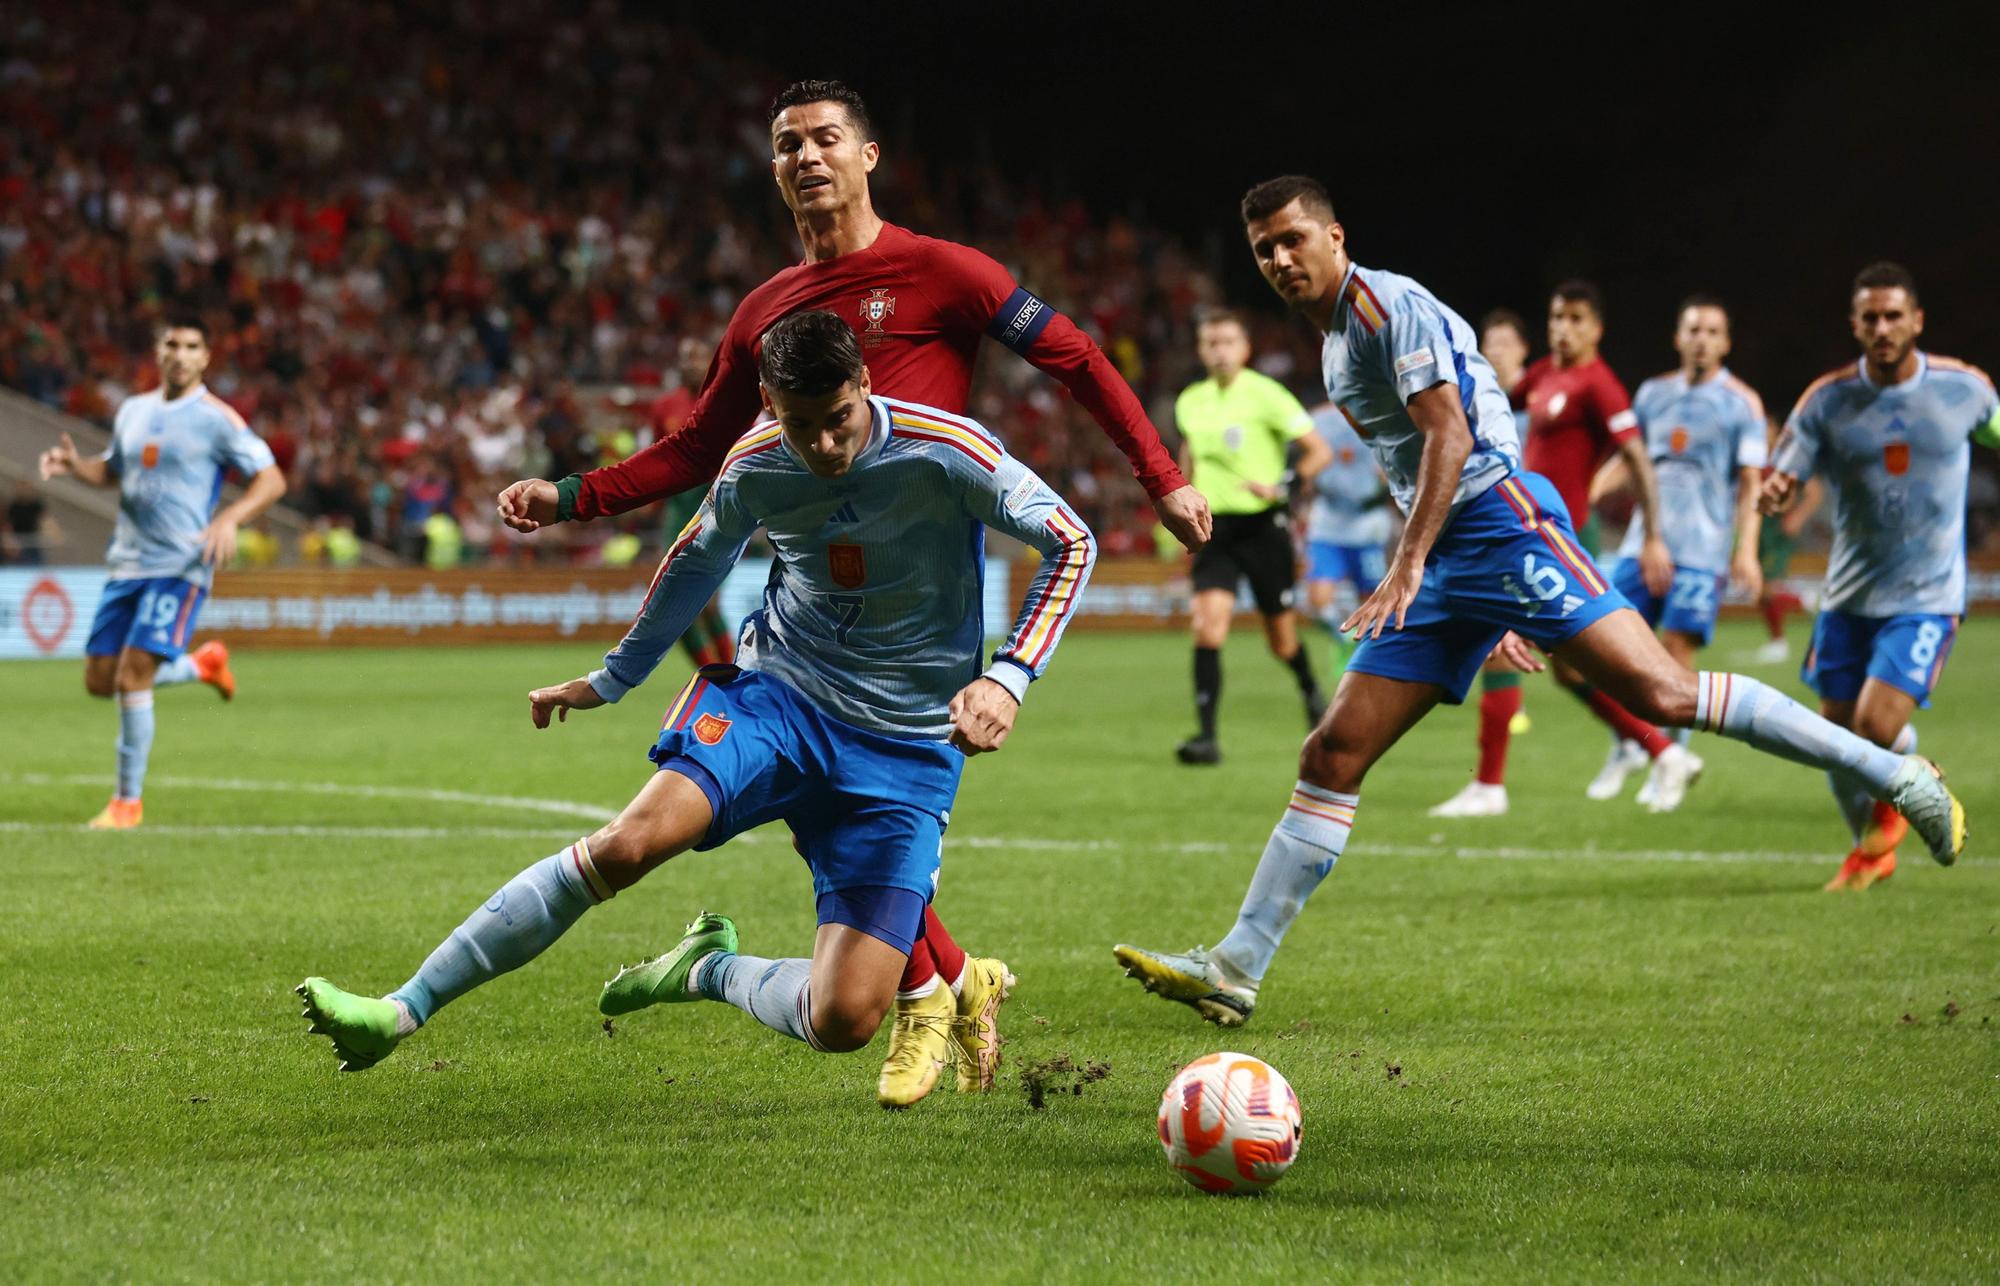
<point x="1579" y="415"/>
<point x="921" y="307"/>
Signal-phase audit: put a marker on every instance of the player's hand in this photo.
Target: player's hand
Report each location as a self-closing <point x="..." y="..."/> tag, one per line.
<point x="59" y="460"/>
<point x="529" y="505"/>
<point x="218" y="542"/>
<point x="982" y="714"/>
<point x="577" y="694"/>
<point x="1656" y="567"/>
<point x="1747" y="574"/>
<point x="1779" y="494"/>
<point x="1185" y="514"/>
<point x="1516" y="653"/>
<point x="1388" y="604"/>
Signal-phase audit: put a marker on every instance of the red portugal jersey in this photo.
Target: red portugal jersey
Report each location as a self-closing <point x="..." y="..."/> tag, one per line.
<point x="667" y="412"/>
<point x="921" y="307"/>
<point x="1576" y="417"/>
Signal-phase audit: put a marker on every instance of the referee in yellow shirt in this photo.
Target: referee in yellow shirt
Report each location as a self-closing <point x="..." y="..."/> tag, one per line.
<point x="1236" y="427"/>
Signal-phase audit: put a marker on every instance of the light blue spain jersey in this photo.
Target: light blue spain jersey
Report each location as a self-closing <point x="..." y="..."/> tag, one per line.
<point x="169" y="458"/>
<point x="1350" y="504"/>
<point x="1896" y="461"/>
<point x="873" y="607"/>
<point x="1698" y="436"/>
<point x="1391" y="340"/>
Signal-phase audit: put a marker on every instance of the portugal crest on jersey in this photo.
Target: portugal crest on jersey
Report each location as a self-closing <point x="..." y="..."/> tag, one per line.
<point x="847" y="565"/>
<point x="710" y="728"/>
<point x="877" y="308"/>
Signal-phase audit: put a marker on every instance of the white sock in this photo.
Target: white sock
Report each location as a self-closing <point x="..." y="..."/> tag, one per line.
<point x="928" y="987"/>
<point x="179" y="670"/>
<point x="1301" y="852"/>
<point x="957" y="984"/>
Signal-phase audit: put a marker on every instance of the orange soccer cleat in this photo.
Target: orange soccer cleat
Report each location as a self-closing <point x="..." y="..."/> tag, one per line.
<point x="119" y="815"/>
<point x="211" y="666"/>
<point x="1886" y="828"/>
<point x="1862" y="870"/>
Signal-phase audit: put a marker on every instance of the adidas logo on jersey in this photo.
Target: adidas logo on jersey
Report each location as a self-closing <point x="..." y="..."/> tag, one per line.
<point x="1570" y="603"/>
<point x="845" y="514"/>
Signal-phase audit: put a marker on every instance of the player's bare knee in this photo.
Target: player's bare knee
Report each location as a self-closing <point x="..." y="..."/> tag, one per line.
<point x="1332" y="761"/>
<point x="132" y="680"/>
<point x="842" y="1026"/>
<point x="1882" y="729"/>
<point x="99" y="683"/>
<point x="619" y="852"/>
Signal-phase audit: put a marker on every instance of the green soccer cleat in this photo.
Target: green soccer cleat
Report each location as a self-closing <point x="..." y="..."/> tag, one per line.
<point x="1918" y="792"/>
<point x="1193" y="979"/>
<point x="362" y="1028"/>
<point x="665" y="981"/>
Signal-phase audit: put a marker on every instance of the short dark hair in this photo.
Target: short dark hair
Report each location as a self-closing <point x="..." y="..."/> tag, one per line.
<point x="1216" y="315"/>
<point x="1578" y="291"/>
<point x="184" y="321"/>
<point x="800" y="92"/>
<point x="1273" y="195"/>
<point x="1504" y="317"/>
<point x="1703" y="299"/>
<point x="810" y="353"/>
<point x="1885" y="275"/>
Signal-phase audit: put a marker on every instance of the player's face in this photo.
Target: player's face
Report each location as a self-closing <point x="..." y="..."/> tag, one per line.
<point x="1702" y="338"/>
<point x="1887" y="322"/>
<point x="1223" y="347"/>
<point x="1506" y="350"/>
<point x="1301" y="254"/>
<point x="182" y="355"/>
<point x="820" y="161"/>
<point x="1575" y="330"/>
<point x="827" y="431"/>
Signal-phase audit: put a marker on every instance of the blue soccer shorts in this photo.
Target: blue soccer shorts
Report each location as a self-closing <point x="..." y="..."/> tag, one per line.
<point x="156" y="615"/>
<point x="1360" y="565"/>
<point x="1907" y="652"/>
<point x="867" y="811"/>
<point x="1507" y="561"/>
<point x="1690" y="605"/>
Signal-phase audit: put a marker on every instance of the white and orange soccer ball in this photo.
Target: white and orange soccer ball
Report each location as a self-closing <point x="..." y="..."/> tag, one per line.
<point x="1230" y="1123"/>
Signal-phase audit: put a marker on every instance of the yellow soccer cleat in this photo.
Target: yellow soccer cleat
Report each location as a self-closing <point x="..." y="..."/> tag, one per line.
<point x="920" y="1044"/>
<point x="1520" y="725"/>
<point x="119" y="815"/>
<point x="977" y="1031"/>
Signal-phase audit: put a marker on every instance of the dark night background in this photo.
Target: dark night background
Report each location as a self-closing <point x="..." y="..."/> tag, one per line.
<point x="1490" y="152"/>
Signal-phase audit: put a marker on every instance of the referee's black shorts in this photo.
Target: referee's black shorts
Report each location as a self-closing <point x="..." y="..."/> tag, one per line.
<point x="1253" y="546"/>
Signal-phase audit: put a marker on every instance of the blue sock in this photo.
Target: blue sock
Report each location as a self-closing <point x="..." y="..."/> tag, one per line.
<point x="1857" y="806"/>
<point x="1308" y="840"/>
<point x="1738" y="706"/>
<point x="774" y="992"/>
<point x="135" y="741"/>
<point x="179" y="670"/>
<point x="517" y="924"/>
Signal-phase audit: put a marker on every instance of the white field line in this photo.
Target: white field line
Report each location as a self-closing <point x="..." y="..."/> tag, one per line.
<point x="595" y="813"/>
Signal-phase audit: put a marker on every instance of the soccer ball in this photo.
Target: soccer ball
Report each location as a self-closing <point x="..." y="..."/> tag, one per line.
<point x="1230" y="1123"/>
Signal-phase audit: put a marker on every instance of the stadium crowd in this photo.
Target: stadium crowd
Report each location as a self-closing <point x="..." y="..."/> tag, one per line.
<point x="422" y="237"/>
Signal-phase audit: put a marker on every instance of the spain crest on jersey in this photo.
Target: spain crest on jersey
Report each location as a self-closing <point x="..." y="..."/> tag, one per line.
<point x="710" y="728"/>
<point x="1896" y="458"/>
<point x="847" y="565"/>
<point x="1677" y="441"/>
<point x="150" y="455"/>
<point x="877" y="308"/>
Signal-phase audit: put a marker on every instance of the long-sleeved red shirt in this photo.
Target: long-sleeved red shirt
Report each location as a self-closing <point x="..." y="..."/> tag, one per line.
<point x="920" y="306"/>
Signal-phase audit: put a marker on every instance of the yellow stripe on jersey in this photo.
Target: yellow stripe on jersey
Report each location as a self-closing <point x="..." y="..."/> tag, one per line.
<point x="972" y="442"/>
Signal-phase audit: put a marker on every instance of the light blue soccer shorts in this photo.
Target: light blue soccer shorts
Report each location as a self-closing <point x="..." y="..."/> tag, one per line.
<point x="1507" y="561"/>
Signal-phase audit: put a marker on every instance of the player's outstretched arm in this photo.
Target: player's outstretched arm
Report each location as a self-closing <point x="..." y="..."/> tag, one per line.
<point x="688" y="577"/>
<point x="577" y="694"/>
<point x="63" y="460"/>
<point x="1447" y="444"/>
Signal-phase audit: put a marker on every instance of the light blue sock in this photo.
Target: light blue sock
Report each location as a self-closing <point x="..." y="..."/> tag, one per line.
<point x="179" y="670"/>
<point x="1679" y="736"/>
<point x="1306" y="843"/>
<point x="1857" y="806"/>
<point x="517" y="924"/>
<point x="774" y="992"/>
<point x="135" y="741"/>
<point x="1738" y="706"/>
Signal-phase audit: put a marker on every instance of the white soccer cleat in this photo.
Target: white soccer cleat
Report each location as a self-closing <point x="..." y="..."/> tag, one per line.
<point x="1674" y="771"/>
<point x="1478" y="799"/>
<point x="1773" y="652"/>
<point x="1626" y="758"/>
<point x="1195" y="979"/>
<point x="1920" y="795"/>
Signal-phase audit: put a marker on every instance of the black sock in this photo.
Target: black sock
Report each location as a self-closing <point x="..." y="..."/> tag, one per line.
<point x="1207" y="687"/>
<point x="1302" y="669"/>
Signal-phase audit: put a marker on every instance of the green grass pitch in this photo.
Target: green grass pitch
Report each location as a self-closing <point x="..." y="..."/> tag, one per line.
<point x="1578" y="1043"/>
